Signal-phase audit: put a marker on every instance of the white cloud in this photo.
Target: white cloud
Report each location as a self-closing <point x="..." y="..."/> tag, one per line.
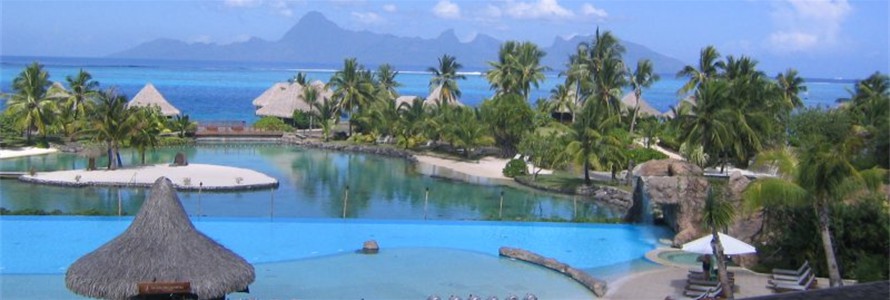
<point x="589" y="10"/>
<point x="492" y="12"/>
<point x="201" y="39"/>
<point x="446" y="9"/>
<point x="542" y="9"/>
<point x="390" y="8"/>
<point x="282" y="8"/>
<point x="367" y="18"/>
<point x="242" y="3"/>
<point x="804" y="25"/>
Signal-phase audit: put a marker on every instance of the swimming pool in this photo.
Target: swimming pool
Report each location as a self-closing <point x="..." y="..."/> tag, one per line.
<point x="46" y="246"/>
<point x="311" y="185"/>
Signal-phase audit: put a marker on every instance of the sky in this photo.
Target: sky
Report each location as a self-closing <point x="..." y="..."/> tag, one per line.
<point x="820" y="38"/>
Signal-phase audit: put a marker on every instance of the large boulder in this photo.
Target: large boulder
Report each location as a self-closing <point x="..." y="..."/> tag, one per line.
<point x="667" y="167"/>
<point x="747" y="225"/>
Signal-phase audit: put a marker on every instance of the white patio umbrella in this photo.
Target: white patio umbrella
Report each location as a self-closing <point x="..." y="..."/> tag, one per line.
<point x="731" y="245"/>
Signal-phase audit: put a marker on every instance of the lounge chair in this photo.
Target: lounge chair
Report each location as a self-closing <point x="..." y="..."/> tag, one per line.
<point x="793" y="286"/>
<point x="796" y="273"/>
<point x="708" y="294"/>
<point x="791" y="278"/>
<point x="714" y="282"/>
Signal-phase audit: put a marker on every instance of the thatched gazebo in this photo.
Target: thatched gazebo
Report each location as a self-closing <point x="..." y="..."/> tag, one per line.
<point x="282" y="99"/>
<point x="150" y="96"/>
<point x="160" y="253"/>
<point x="57" y="91"/>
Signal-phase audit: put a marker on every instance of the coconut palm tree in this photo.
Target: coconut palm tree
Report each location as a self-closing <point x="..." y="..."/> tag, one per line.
<point x="83" y="90"/>
<point x="816" y="176"/>
<point x="562" y="100"/>
<point x="718" y="214"/>
<point x="446" y="76"/>
<point x="352" y="87"/>
<point x="181" y="124"/>
<point x="112" y="122"/>
<point x="518" y="69"/>
<point x="642" y="77"/>
<point x="708" y="67"/>
<point x="29" y="105"/>
<point x="588" y="135"/>
<point x="148" y="123"/>
<point x="299" y="78"/>
<point x="327" y="112"/>
<point x="386" y="82"/>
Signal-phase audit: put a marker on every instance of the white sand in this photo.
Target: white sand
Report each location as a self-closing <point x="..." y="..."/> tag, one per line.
<point x="487" y="167"/>
<point x="26" y="151"/>
<point x="193" y="176"/>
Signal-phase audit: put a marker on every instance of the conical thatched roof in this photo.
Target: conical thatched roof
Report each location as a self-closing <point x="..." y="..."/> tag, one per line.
<point x="270" y="94"/>
<point x="150" y="96"/>
<point x="405" y="99"/>
<point x="57" y="91"/>
<point x="436" y="95"/>
<point x="161" y="245"/>
<point x="630" y="102"/>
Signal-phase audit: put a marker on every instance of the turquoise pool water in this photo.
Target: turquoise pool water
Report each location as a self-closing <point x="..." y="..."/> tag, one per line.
<point x="312" y="185"/>
<point x="316" y="259"/>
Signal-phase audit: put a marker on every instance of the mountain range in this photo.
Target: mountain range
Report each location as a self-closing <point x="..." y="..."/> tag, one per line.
<point x="317" y="40"/>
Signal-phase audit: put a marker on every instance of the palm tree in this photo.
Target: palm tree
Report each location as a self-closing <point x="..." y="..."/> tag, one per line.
<point x="29" y="105"/>
<point x="181" y="124"/>
<point x="562" y="100"/>
<point x="310" y="95"/>
<point x="718" y="214"/>
<point x="518" y="69"/>
<point x="708" y="66"/>
<point x="642" y="77"/>
<point x="112" y="123"/>
<point x="83" y="90"/>
<point x="410" y="123"/>
<point x="328" y="112"/>
<point x="468" y="131"/>
<point x="147" y="125"/>
<point x="299" y="78"/>
<point x="818" y="176"/>
<point x="589" y="135"/>
<point x="445" y="75"/>
<point x="352" y="88"/>
<point x="386" y="82"/>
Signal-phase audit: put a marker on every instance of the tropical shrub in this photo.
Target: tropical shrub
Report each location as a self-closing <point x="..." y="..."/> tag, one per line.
<point x="362" y="138"/>
<point x="515" y="168"/>
<point x="271" y="124"/>
<point x="301" y="119"/>
<point x="640" y="155"/>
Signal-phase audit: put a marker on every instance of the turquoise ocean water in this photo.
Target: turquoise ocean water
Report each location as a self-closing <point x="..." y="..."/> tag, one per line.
<point x="224" y="90"/>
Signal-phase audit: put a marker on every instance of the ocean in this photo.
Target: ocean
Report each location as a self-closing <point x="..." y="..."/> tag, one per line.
<point x="210" y="91"/>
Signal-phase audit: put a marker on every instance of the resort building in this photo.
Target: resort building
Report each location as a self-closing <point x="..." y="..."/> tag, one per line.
<point x="150" y="96"/>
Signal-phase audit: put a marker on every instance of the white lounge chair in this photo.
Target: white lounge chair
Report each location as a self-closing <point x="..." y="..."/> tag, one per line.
<point x="793" y="286"/>
<point x="797" y="273"/>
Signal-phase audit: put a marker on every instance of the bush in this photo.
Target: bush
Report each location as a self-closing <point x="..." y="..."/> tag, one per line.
<point x="271" y="124"/>
<point x="362" y="138"/>
<point x="301" y="119"/>
<point x="173" y="141"/>
<point x="640" y="155"/>
<point x="515" y="168"/>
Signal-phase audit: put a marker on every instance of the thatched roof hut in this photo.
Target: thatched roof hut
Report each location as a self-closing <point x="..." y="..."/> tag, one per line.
<point x="435" y="98"/>
<point x="160" y="246"/>
<point x="283" y="98"/>
<point x="150" y="96"/>
<point x="630" y="102"/>
<point x="57" y="91"/>
<point x="405" y="99"/>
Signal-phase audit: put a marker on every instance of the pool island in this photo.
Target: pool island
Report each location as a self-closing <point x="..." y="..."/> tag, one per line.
<point x="189" y="177"/>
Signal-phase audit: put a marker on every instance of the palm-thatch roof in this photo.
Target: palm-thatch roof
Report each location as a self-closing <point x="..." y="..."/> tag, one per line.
<point x="161" y="245"/>
<point x="435" y="98"/>
<point x="630" y="102"/>
<point x="405" y="99"/>
<point x="150" y="96"/>
<point x="282" y="99"/>
<point x="57" y="91"/>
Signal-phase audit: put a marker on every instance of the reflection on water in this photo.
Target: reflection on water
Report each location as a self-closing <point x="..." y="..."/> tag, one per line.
<point x="313" y="184"/>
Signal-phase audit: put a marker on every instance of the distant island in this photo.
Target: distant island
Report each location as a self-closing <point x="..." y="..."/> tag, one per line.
<point x="315" y="39"/>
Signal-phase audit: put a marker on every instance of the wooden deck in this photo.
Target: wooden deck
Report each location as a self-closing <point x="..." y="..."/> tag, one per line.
<point x="205" y="131"/>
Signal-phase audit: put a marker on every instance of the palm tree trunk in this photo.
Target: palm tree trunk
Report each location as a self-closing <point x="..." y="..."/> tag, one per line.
<point x="633" y="121"/>
<point x="717" y="248"/>
<point x="586" y="173"/>
<point x="834" y="274"/>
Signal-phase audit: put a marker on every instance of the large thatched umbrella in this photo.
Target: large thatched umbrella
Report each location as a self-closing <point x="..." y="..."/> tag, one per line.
<point x="150" y="96"/>
<point x="160" y="246"/>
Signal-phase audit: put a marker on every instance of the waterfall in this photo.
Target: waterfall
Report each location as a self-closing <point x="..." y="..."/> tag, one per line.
<point x="642" y="206"/>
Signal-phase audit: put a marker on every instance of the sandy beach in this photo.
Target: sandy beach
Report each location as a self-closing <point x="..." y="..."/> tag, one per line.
<point x="486" y="167"/>
<point x="190" y="177"/>
<point x="26" y="151"/>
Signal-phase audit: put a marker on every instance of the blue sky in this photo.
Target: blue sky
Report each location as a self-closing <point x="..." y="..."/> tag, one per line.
<point x="821" y="38"/>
